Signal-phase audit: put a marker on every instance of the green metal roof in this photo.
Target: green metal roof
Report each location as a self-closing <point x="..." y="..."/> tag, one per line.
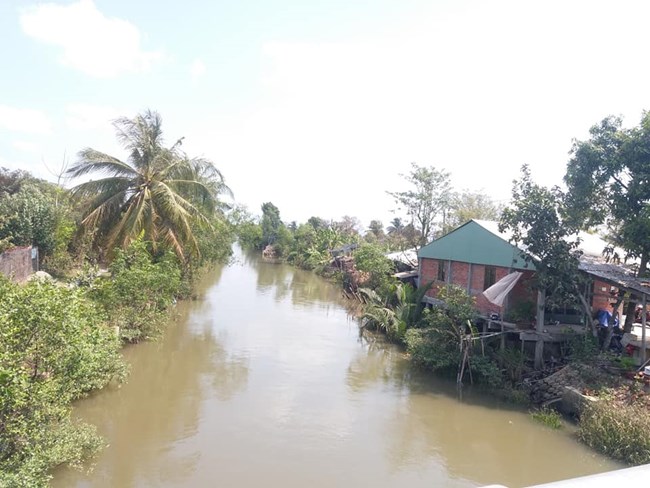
<point x="478" y="242"/>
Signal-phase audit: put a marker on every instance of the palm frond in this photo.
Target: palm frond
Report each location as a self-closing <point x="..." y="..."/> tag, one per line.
<point x="92" y="161"/>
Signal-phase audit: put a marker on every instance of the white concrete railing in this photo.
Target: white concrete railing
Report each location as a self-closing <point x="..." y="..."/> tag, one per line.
<point x="637" y="476"/>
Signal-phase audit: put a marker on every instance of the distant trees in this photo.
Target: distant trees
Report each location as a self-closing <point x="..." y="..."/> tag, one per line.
<point x="271" y="223"/>
<point x="427" y="202"/>
<point x="376" y="228"/>
<point x="468" y="205"/>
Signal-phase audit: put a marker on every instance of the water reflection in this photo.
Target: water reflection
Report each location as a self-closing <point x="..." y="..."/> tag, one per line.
<point x="160" y="407"/>
<point x="477" y="439"/>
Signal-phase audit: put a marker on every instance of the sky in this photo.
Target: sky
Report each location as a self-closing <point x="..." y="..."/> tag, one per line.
<point x="319" y="107"/>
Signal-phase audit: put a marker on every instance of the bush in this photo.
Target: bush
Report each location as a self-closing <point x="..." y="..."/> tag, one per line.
<point x="548" y="417"/>
<point x="53" y="350"/>
<point x="370" y="259"/>
<point x="140" y="291"/>
<point x="620" y="432"/>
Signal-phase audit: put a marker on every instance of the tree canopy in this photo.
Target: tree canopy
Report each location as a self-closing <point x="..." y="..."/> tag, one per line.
<point x="535" y="217"/>
<point x="426" y="202"/>
<point x="608" y="181"/>
<point x="158" y="192"/>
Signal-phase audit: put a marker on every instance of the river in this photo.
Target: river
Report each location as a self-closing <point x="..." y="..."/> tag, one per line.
<point x="263" y="380"/>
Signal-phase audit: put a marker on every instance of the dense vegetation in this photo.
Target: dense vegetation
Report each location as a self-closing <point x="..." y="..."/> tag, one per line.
<point x="152" y="222"/>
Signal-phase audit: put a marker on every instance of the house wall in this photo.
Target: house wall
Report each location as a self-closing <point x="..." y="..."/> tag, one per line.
<point x="471" y="277"/>
<point x="602" y="297"/>
<point x="16" y="264"/>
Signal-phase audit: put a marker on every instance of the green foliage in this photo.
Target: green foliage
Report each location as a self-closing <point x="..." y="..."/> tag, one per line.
<point x="437" y="343"/>
<point x="214" y="241"/>
<point x="549" y="417"/>
<point x="522" y="311"/>
<point x="249" y="235"/>
<point x="376" y="230"/>
<point x="536" y="219"/>
<point x="400" y="310"/>
<point x="607" y="183"/>
<point x="512" y="362"/>
<point x="427" y="201"/>
<point x="284" y="242"/>
<point x="620" y="432"/>
<point x="53" y="349"/>
<point x="158" y="192"/>
<point x="29" y="218"/>
<point x="582" y="348"/>
<point x="370" y="259"/>
<point x="469" y="205"/>
<point x="140" y="291"/>
<point x="271" y="223"/>
<point x="245" y="228"/>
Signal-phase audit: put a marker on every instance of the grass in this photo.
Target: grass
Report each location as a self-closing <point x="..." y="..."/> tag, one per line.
<point x="617" y="430"/>
<point x="548" y="417"/>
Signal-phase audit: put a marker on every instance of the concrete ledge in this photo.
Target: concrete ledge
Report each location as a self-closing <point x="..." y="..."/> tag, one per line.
<point x="574" y="402"/>
<point x="637" y="476"/>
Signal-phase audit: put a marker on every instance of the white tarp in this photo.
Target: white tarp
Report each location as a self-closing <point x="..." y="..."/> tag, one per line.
<point x="498" y="292"/>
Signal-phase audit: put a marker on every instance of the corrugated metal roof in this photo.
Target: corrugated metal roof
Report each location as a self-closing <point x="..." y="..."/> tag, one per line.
<point x="618" y="275"/>
<point x="478" y="242"/>
<point x="408" y="257"/>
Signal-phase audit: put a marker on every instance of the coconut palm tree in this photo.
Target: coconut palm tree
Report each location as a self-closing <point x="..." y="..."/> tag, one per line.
<point x="157" y="193"/>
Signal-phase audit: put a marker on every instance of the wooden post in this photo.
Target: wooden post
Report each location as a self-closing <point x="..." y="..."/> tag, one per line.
<point x="503" y="336"/>
<point x="643" y="323"/>
<point x="539" y="328"/>
<point x="469" y="280"/>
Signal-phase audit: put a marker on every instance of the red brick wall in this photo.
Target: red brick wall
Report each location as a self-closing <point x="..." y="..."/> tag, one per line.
<point x="461" y="274"/>
<point x="602" y="297"/>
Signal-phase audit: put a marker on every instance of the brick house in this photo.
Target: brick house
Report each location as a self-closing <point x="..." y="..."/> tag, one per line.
<point x="476" y="255"/>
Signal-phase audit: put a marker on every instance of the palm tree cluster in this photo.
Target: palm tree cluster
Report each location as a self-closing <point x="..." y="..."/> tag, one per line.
<point x="158" y="194"/>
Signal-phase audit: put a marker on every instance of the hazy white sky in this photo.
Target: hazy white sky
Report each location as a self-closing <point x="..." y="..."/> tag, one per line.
<point x="319" y="106"/>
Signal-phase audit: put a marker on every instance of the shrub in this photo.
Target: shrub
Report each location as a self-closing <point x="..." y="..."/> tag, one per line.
<point x="548" y="417"/>
<point x="620" y="431"/>
<point x="139" y="292"/>
<point x="53" y="350"/>
<point x="370" y="259"/>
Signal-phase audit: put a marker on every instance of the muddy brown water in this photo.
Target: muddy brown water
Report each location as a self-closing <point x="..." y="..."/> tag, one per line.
<point x="263" y="380"/>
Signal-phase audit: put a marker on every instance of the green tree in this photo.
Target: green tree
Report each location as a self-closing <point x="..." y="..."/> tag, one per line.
<point x="469" y="205"/>
<point x="427" y="203"/>
<point x="608" y="183"/>
<point x="158" y="192"/>
<point x="376" y="228"/>
<point x="370" y="259"/>
<point x="535" y="218"/>
<point x="271" y="223"/>
<point x="29" y="213"/>
<point x="318" y="223"/>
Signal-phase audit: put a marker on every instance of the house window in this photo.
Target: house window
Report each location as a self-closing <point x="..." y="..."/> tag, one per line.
<point x="490" y="277"/>
<point x="441" y="270"/>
